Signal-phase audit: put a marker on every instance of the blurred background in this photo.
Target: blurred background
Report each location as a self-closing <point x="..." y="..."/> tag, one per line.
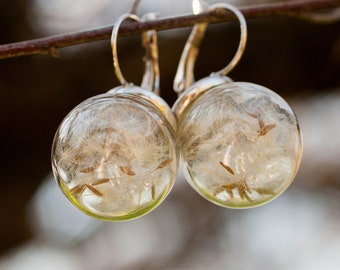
<point x="40" y="229"/>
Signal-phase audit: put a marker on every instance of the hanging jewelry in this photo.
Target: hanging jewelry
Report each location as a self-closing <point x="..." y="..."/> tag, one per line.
<point x="114" y="155"/>
<point x="240" y="143"/>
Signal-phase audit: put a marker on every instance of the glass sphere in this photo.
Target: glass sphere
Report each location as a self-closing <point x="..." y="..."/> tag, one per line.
<point x="115" y="155"/>
<point x="240" y="144"/>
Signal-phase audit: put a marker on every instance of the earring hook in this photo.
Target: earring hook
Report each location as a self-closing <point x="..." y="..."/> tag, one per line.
<point x="114" y="37"/>
<point x="185" y="71"/>
<point x="151" y="75"/>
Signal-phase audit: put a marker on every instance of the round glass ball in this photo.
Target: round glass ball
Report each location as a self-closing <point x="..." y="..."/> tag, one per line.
<point x="240" y="144"/>
<point x="115" y="155"/>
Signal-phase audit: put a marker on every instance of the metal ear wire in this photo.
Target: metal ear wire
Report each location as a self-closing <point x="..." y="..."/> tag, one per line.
<point x="243" y="37"/>
<point x="185" y="71"/>
<point x="114" y="37"/>
<point x="151" y="77"/>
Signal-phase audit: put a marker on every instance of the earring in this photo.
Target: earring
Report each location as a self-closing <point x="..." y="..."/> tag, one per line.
<point x="114" y="155"/>
<point x="240" y="143"/>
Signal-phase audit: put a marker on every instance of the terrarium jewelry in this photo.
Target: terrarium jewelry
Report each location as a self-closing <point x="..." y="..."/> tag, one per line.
<point x="115" y="155"/>
<point x="240" y="143"/>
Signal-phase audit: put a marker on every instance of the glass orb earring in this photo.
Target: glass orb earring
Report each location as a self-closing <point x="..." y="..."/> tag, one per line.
<point x="240" y="143"/>
<point x="114" y="155"/>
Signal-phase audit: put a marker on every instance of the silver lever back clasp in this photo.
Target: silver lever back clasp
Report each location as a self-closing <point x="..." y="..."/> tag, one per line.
<point x="151" y="77"/>
<point x="185" y="71"/>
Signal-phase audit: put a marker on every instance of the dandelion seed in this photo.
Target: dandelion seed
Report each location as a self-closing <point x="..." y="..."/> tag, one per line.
<point x="243" y="195"/>
<point x="77" y="190"/>
<point x="79" y="157"/>
<point x="241" y="187"/>
<point x="230" y="170"/>
<point x="266" y="129"/>
<point x="226" y="188"/>
<point x="94" y="190"/>
<point x="100" y="181"/>
<point x="126" y="170"/>
<point x="218" y="190"/>
<point x="164" y="163"/>
<point x="195" y="143"/>
<point x="253" y="115"/>
<point x="153" y="191"/>
<point x="87" y="170"/>
<point x="230" y="193"/>
<point x="261" y="123"/>
<point x="264" y="191"/>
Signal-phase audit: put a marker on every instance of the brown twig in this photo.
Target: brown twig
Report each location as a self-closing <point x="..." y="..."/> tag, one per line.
<point x="49" y="45"/>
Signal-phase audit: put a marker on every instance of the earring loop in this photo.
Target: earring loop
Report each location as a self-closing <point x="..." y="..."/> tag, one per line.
<point x="243" y="37"/>
<point x="114" y="37"/>
<point x="185" y="72"/>
<point x="151" y="75"/>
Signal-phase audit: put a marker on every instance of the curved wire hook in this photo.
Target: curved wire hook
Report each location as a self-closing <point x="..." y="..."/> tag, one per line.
<point x="151" y="77"/>
<point x="114" y="37"/>
<point x="149" y="40"/>
<point x="185" y="71"/>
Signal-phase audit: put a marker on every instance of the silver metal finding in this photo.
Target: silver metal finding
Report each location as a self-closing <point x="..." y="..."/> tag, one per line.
<point x="114" y="37"/>
<point x="185" y="71"/>
<point x="151" y="77"/>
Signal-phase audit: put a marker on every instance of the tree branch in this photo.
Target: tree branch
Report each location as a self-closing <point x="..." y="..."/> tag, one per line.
<point x="49" y="45"/>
